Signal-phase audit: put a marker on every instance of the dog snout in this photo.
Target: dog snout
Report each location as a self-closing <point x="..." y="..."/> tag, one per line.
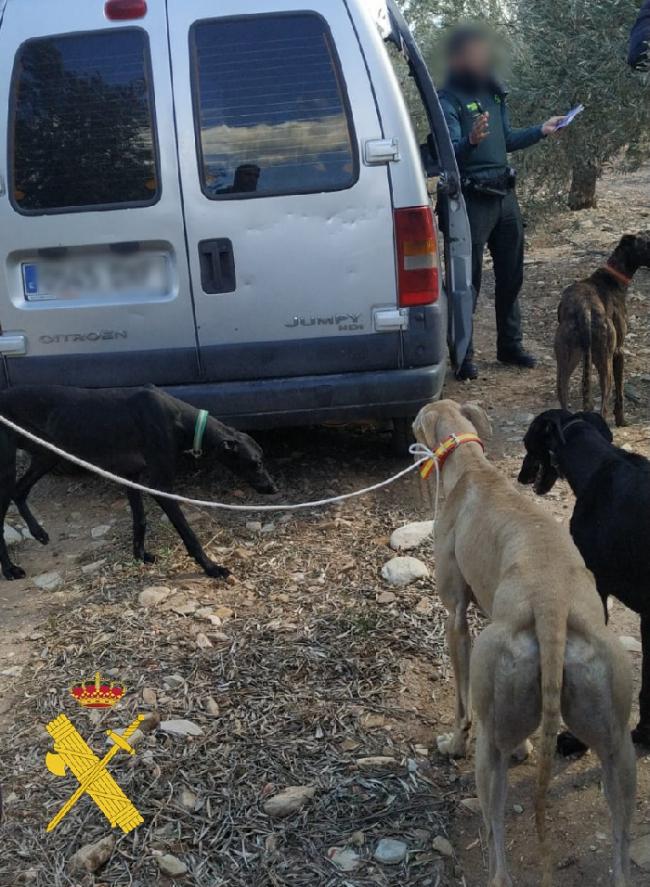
<point x="528" y="471"/>
<point x="266" y="485"/>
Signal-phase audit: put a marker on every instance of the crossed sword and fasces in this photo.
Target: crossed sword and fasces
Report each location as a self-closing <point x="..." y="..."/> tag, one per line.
<point x="71" y="750"/>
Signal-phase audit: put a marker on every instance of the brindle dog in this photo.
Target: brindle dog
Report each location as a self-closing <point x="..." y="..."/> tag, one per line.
<point x="593" y="325"/>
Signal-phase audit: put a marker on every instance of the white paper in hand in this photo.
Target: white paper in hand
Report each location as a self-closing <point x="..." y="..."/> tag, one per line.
<point x="570" y="117"/>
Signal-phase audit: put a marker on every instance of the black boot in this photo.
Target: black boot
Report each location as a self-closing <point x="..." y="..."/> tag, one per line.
<point x="468" y="371"/>
<point x="516" y="356"/>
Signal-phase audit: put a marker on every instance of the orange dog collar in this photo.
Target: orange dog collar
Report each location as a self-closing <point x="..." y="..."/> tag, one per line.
<point x="446" y="448"/>
<point x="618" y="275"/>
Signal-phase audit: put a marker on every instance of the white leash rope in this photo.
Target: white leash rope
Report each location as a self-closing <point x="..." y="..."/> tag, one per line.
<point x="420" y="451"/>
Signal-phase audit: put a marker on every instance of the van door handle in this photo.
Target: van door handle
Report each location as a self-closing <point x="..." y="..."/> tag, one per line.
<point x="217" y="261"/>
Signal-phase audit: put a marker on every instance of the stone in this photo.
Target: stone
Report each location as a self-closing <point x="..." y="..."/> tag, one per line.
<point x="12" y="535"/>
<point x="254" y="526"/>
<point x="153" y="595"/>
<point x="181" y="727"/>
<point x="344" y="859"/>
<point x="518" y="809"/>
<point x="203" y="642"/>
<point x="100" y="531"/>
<point x="212" y="707"/>
<point x="289" y="801"/>
<point x="473" y="805"/>
<point x="389" y="851"/>
<point x="424" y="606"/>
<point x="411" y="536"/>
<point x="631" y="644"/>
<point x="386" y="597"/>
<point x="640" y="852"/>
<point x="174" y="681"/>
<point x="188" y="799"/>
<point x="92" y="857"/>
<point x="171" y="866"/>
<point x="149" y="696"/>
<point x="181" y="605"/>
<point x="441" y="845"/>
<point x="377" y="762"/>
<point x="95" y="567"/>
<point x="48" y="581"/>
<point x="402" y="571"/>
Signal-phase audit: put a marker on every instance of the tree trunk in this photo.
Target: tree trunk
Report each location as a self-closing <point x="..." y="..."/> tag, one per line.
<point x="583" y="186"/>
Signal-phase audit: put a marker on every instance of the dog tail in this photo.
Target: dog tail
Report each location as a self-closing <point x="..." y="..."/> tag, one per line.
<point x="551" y="630"/>
<point x="584" y="328"/>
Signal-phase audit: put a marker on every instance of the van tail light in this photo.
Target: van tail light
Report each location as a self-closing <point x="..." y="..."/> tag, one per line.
<point x="416" y="236"/>
<point x="124" y="10"/>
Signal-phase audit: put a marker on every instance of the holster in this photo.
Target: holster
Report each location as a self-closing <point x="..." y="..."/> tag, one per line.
<point x="497" y="186"/>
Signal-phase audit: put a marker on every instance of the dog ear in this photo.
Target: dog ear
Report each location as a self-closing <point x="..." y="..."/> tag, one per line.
<point x="599" y="424"/>
<point x="479" y="419"/>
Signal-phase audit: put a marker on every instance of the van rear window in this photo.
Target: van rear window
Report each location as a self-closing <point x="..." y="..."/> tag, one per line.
<point x="271" y="107"/>
<point x="83" y="133"/>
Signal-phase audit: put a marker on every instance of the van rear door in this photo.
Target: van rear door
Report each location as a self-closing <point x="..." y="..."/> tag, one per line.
<point x="290" y="232"/>
<point x="94" y="286"/>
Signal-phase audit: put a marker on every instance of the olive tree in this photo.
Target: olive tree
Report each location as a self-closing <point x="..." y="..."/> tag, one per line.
<point x="564" y="52"/>
<point x="570" y="52"/>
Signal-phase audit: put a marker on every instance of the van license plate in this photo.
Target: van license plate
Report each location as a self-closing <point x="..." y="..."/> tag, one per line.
<point x="138" y="276"/>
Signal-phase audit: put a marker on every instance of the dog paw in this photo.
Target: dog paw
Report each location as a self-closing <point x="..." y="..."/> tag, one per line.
<point x="13" y="572"/>
<point x="568" y="744"/>
<point x="217" y="572"/>
<point x="522" y="752"/>
<point x="40" y="535"/>
<point x="641" y="735"/>
<point x="454" y="745"/>
<point x="148" y="558"/>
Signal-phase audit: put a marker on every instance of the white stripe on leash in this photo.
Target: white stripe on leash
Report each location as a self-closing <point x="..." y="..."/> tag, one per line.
<point x="420" y="451"/>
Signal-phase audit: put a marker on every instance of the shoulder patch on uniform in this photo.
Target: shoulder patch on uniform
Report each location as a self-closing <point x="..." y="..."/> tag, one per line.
<point x="472" y="106"/>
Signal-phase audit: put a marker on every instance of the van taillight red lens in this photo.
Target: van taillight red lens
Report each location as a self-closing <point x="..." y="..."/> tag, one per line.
<point x="124" y="10"/>
<point x="416" y="236"/>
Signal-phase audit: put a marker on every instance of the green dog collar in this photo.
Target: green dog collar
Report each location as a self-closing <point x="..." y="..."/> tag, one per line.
<point x="199" y="431"/>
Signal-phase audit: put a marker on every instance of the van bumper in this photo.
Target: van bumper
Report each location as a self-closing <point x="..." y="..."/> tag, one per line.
<point x="307" y="400"/>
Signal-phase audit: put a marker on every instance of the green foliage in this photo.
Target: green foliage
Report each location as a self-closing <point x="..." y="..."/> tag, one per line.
<point x="570" y="51"/>
<point x="563" y="52"/>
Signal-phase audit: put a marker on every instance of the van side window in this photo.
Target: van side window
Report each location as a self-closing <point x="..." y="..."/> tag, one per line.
<point x="271" y="107"/>
<point x="82" y="123"/>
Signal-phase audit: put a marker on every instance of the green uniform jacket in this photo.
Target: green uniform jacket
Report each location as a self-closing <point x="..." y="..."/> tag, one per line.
<point x="490" y="158"/>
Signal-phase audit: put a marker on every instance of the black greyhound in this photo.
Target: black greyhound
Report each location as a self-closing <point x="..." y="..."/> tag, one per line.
<point x="610" y="523"/>
<point x="137" y="433"/>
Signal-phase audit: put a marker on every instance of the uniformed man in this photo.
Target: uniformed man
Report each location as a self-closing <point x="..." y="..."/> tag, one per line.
<point x="475" y="107"/>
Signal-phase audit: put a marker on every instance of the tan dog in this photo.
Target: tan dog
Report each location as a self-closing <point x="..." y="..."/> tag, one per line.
<point x="547" y="652"/>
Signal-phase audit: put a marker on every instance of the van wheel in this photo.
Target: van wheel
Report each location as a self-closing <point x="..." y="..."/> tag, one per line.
<point x="403" y="435"/>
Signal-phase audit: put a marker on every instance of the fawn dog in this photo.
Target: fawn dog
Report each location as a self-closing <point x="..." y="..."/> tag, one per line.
<point x="593" y="324"/>
<point x="547" y="651"/>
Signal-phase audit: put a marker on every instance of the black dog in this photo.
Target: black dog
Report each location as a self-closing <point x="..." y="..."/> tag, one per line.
<point x="611" y="520"/>
<point x="137" y="433"/>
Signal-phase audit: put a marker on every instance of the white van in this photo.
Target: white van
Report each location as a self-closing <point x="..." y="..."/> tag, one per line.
<point x="225" y="198"/>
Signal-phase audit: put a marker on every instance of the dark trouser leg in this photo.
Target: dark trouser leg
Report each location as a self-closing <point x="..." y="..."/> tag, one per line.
<point x="483" y="215"/>
<point x="506" y="244"/>
<point x="642" y="732"/>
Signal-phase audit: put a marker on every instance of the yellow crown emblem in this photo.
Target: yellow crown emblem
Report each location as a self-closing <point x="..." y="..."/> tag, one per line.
<point x="99" y="693"/>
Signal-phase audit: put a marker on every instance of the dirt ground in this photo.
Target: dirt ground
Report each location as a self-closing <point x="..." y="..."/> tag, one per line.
<point x="302" y="669"/>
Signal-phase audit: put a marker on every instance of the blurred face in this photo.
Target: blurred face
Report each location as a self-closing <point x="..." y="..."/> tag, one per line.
<point x="475" y="58"/>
